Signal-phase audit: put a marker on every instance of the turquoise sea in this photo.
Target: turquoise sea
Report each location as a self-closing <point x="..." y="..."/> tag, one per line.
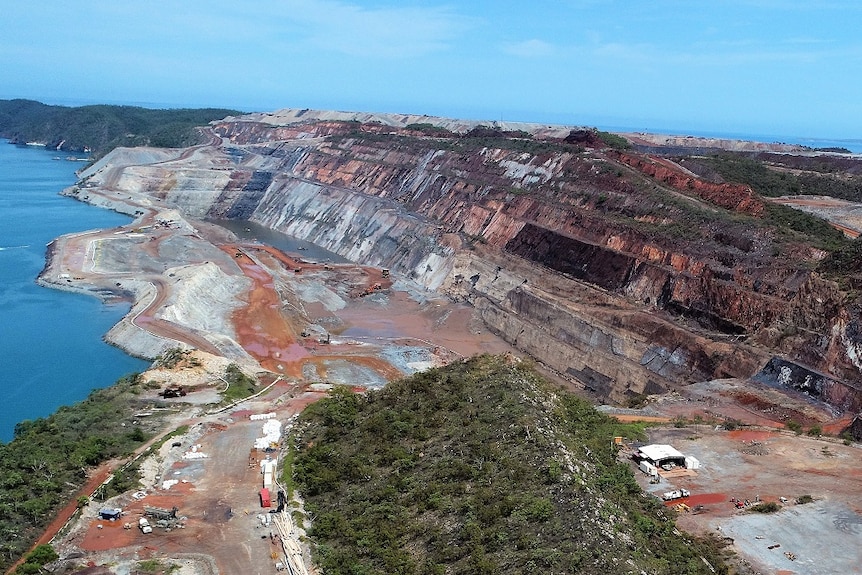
<point x="51" y="346"/>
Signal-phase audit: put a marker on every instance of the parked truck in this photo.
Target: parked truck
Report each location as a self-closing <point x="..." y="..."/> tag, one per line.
<point x="144" y="525"/>
<point x="675" y="494"/>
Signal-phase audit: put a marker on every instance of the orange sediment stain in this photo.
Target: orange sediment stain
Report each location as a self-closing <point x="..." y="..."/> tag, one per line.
<point x="261" y="328"/>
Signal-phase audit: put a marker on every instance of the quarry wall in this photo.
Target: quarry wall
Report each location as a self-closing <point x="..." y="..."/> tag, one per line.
<point x="527" y="235"/>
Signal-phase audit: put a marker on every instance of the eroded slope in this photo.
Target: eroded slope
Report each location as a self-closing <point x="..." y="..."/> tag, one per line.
<point x="628" y="274"/>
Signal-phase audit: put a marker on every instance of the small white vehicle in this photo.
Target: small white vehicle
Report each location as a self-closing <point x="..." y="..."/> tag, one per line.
<point x="145" y="525"/>
<point x="676" y="494"/>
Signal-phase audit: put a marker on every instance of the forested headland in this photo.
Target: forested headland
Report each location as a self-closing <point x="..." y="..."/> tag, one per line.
<point x="98" y="129"/>
<point x="50" y="459"/>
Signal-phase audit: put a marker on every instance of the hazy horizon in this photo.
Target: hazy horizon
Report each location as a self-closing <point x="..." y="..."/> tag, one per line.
<point x="783" y="67"/>
<point x="853" y="144"/>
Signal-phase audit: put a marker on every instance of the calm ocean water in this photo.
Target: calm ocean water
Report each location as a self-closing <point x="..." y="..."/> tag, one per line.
<point x="51" y="344"/>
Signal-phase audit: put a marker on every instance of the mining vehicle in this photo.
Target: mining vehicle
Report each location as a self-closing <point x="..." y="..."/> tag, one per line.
<point x="675" y="494"/>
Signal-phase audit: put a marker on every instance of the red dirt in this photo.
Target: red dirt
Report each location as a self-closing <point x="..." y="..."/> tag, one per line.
<point x="260" y="327"/>
<point x="98" y="477"/>
<point x="112" y="535"/>
<point x="838" y="426"/>
<point x="734" y="197"/>
<point x="100" y="474"/>
<point x="706" y="499"/>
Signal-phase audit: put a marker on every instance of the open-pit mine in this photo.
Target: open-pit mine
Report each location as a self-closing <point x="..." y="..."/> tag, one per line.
<point x="624" y="273"/>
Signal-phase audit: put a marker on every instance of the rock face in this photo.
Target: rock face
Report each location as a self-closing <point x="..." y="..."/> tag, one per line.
<point x="843" y="396"/>
<point x="621" y="272"/>
<point x="730" y="196"/>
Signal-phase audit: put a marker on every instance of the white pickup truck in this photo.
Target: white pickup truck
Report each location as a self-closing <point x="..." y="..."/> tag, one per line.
<point x="145" y="525"/>
<point x="676" y="494"/>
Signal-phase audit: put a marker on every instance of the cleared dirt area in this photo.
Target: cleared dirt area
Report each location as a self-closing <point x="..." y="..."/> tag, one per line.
<point x="213" y="477"/>
<point x="767" y="466"/>
<point x="762" y="461"/>
<point x="841" y="214"/>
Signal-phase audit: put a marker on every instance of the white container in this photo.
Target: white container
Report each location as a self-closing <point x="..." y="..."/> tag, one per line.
<point x="648" y="468"/>
<point x="145" y="525"/>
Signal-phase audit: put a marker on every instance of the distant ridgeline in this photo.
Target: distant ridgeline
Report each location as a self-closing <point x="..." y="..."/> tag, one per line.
<point x="98" y="129"/>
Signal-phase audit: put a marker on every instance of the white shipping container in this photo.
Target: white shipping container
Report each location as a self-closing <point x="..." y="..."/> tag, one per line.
<point x="691" y="462"/>
<point x="648" y="468"/>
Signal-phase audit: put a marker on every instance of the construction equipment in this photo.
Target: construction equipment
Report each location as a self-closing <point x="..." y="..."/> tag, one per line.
<point x="173" y="392"/>
<point x="160" y="513"/>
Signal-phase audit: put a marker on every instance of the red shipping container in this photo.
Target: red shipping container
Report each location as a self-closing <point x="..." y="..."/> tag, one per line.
<point x="264" y="498"/>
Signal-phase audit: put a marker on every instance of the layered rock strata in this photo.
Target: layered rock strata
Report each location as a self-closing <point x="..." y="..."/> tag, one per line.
<point x="616" y="271"/>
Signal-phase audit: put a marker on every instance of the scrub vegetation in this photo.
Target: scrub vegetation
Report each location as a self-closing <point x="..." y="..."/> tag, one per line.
<point x="772" y="183"/>
<point x="239" y="385"/>
<point x="479" y="467"/>
<point x="49" y="458"/>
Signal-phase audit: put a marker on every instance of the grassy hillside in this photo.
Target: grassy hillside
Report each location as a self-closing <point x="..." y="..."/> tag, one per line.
<point x="479" y="467"/>
<point x="102" y="128"/>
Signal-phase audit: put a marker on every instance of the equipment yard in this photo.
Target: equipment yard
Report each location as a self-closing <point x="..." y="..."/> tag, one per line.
<point x="207" y="475"/>
<point x="814" y="481"/>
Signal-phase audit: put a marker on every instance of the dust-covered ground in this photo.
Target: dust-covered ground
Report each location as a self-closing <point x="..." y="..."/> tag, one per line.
<point x="760" y="460"/>
<point x="212" y="474"/>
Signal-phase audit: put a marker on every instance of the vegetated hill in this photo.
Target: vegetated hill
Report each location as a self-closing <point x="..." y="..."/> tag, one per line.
<point x="50" y="458"/>
<point x="774" y="175"/>
<point x="101" y="128"/>
<point x="479" y="467"/>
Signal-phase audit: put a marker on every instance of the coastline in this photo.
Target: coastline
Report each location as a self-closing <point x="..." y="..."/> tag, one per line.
<point x="71" y="265"/>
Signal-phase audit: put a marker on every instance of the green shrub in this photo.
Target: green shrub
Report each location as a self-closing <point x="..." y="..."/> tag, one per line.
<point x="794" y="426"/>
<point x="766" y="507"/>
<point x="463" y="466"/>
<point x="36" y="559"/>
<point x="239" y="385"/>
<point x="613" y="140"/>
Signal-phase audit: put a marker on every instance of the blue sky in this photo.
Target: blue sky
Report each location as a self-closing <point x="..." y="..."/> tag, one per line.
<point x="771" y="67"/>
